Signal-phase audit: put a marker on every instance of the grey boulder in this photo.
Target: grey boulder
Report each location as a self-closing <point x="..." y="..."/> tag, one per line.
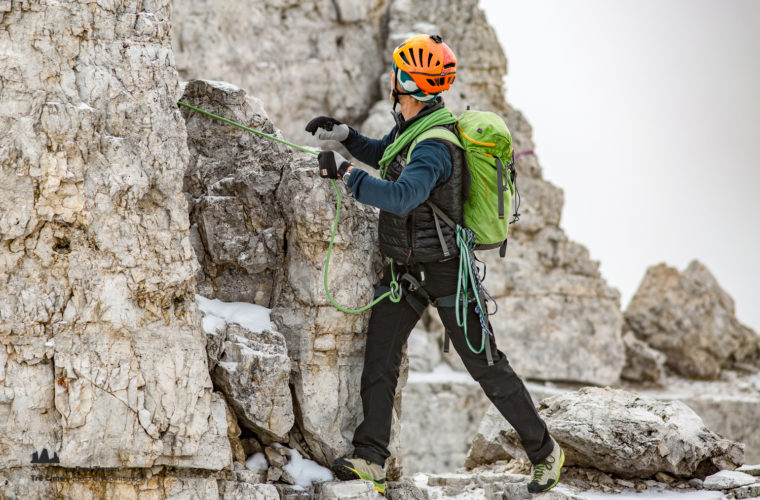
<point x="727" y="480"/>
<point x="690" y="318"/>
<point x="642" y="363"/>
<point x="618" y="432"/>
<point x="253" y="373"/>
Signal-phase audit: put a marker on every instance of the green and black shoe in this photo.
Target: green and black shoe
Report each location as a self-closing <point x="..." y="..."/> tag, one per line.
<point x="546" y="472"/>
<point x="350" y="468"/>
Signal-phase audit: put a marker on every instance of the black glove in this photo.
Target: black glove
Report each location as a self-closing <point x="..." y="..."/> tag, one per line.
<point x="332" y="165"/>
<point x="329" y="129"/>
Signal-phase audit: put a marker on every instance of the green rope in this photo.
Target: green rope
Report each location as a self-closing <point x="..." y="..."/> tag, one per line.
<point x="393" y="295"/>
<point x="254" y="131"/>
<point x="465" y="278"/>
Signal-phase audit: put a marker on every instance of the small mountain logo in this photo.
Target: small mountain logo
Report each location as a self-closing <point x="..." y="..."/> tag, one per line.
<point x="44" y="458"/>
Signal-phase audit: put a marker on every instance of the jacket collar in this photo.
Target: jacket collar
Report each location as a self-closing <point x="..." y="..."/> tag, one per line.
<point x="402" y="124"/>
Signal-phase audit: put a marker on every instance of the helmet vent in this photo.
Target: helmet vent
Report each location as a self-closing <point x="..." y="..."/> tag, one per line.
<point x="411" y="54"/>
<point x="430" y="58"/>
<point x="403" y="56"/>
<point x="450" y="65"/>
<point x="419" y="53"/>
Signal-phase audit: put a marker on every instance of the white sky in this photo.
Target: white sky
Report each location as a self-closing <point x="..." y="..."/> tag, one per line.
<point x="647" y="114"/>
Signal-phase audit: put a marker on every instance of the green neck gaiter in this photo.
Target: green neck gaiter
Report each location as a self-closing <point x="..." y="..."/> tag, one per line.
<point x="441" y="116"/>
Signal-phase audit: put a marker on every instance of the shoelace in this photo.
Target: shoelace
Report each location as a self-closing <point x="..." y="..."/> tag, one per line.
<point x="545" y="464"/>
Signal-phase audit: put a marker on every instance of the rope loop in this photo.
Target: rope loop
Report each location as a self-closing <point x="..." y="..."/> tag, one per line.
<point x="470" y="281"/>
<point x="395" y="289"/>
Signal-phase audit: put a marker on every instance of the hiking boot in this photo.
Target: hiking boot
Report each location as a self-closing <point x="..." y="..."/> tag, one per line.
<point x="546" y="472"/>
<point x="350" y="468"/>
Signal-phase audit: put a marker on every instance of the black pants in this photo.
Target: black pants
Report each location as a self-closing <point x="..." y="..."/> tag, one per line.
<point x="389" y="328"/>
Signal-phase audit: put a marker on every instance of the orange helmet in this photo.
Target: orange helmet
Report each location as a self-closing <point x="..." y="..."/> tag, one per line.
<point x="430" y="62"/>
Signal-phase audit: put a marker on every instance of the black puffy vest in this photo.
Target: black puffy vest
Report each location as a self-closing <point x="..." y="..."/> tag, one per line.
<point x="413" y="237"/>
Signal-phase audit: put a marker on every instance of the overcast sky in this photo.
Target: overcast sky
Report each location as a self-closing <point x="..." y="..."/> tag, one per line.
<point x="647" y="114"/>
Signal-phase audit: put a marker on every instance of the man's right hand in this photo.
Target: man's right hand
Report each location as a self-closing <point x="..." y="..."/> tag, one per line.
<point x="332" y="165"/>
<point x="327" y="128"/>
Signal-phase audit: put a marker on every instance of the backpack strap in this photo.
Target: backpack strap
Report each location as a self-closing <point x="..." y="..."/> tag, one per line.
<point x="434" y="133"/>
<point x="440" y="213"/>
<point x="441" y="239"/>
<point x="501" y="187"/>
<point x="446" y="135"/>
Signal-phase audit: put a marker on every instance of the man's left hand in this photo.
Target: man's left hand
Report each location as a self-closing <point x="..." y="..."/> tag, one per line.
<point x="332" y="165"/>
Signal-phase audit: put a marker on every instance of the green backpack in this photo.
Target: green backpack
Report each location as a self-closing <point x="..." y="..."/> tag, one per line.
<point x="489" y="155"/>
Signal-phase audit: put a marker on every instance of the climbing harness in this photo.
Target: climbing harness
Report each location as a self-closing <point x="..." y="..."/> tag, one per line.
<point x="394" y="293"/>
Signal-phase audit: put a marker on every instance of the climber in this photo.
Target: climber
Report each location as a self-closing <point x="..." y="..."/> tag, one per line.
<point x="408" y="232"/>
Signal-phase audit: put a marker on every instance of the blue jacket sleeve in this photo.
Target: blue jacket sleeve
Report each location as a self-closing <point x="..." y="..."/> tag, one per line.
<point x="429" y="165"/>
<point x="368" y="150"/>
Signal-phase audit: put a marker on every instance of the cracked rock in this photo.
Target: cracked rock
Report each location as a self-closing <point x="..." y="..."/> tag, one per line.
<point x="253" y="373"/>
<point x="99" y="331"/>
<point x="690" y="318"/>
<point x="617" y="432"/>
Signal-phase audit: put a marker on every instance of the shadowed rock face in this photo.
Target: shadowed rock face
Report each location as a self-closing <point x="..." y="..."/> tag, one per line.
<point x="619" y="432"/>
<point x="102" y="358"/>
<point x="253" y="373"/>
<point x="690" y="318"/>
<point x="284" y="218"/>
<point x="237" y="228"/>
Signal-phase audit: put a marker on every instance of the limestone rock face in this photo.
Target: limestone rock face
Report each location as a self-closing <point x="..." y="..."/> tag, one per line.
<point x="354" y="490"/>
<point x="276" y="188"/>
<point x="302" y="58"/>
<point x="642" y="363"/>
<point x="109" y="483"/>
<point x="728" y="407"/>
<point x="619" y="432"/>
<point x="325" y="345"/>
<point x="690" y="318"/>
<point x="438" y="421"/>
<point x="230" y="182"/>
<point x="492" y="441"/>
<point x="253" y="373"/>
<point x="102" y="359"/>
<point x="423" y="351"/>
<point x="331" y="57"/>
<point x="231" y="490"/>
<point x="483" y="484"/>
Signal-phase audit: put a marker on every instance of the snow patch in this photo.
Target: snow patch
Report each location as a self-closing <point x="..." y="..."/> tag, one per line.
<point x="305" y="472"/>
<point x="257" y="462"/>
<point x="250" y="316"/>
<point x="213" y="324"/>
<point x="227" y="87"/>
